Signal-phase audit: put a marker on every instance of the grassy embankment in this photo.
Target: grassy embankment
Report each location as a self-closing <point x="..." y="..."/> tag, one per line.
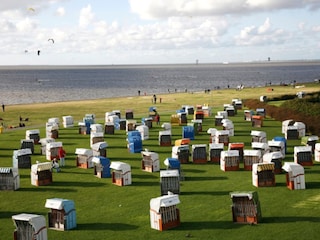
<point x="108" y="211"/>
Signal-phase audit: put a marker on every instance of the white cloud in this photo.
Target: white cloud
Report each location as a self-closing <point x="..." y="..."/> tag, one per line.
<point x="60" y="12"/>
<point x="6" y="25"/>
<point x="316" y="29"/>
<point x="274" y="4"/>
<point x="147" y="9"/>
<point x="301" y="25"/>
<point x="261" y="35"/>
<point x="59" y="35"/>
<point x="25" y="25"/>
<point x="187" y="28"/>
<point x="25" y="5"/>
<point x="264" y="27"/>
<point x="86" y="16"/>
<point x="16" y="4"/>
<point x="102" y="28"/>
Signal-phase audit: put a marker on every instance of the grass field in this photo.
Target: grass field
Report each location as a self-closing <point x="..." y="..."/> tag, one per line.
<point x="106" y="211"/>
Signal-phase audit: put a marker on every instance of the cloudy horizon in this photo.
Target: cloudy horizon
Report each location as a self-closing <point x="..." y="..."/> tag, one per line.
<point x="157" y="32"/>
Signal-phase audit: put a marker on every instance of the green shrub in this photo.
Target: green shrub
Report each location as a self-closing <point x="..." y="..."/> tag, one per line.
<point x="307" y="106"/>
<point x="299" y="110"/>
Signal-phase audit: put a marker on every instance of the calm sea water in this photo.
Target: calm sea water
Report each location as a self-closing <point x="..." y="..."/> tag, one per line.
<point x="35" y="84"/>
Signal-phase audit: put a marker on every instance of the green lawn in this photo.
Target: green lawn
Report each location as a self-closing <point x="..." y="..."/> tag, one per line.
<point x="276" y="103"/>
<point x="106" y="211"/>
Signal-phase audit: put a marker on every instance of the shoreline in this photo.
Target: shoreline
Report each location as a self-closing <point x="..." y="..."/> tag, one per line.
<point x="149" y="96"/>
<point x="39" y="113"/>
<point x="187" y="65"/>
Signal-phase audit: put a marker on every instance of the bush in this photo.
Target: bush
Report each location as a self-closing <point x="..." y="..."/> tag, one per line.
<point x="285" y="112"/>
<point x="307" y="106"/>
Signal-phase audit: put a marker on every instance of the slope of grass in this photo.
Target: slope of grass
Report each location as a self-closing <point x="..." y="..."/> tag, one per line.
<point x="108" y="211"/>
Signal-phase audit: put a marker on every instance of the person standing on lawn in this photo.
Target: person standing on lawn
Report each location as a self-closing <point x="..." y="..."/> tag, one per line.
<point x="62" y="155"/>
<point x="55" y="165"/>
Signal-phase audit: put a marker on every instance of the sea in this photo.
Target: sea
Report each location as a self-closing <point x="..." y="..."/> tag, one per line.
<point x="42" y="84"/>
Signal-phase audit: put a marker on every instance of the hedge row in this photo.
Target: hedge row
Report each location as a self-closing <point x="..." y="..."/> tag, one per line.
<point x="305" y="106"/>
<point x="284" y="113"/>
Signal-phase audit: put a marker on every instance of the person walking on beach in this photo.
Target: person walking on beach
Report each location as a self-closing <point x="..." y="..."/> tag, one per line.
<point x="154" y="99"/>
<point x="61" y="154"/>
<point x="3" y="107"/>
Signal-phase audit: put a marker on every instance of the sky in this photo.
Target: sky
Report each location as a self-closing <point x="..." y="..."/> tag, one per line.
<point x="117" y="32"/>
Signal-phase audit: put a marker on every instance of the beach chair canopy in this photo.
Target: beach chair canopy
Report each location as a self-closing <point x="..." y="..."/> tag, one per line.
<point x="120" y="166"/>
<point x="295" y="168"/>
<point x="37" y="221"/>
<point x="164" y="201"/>
<point x="59" y="204"/>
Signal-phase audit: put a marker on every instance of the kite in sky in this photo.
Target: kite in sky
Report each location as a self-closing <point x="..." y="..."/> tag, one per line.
<point x="50" y="39"/>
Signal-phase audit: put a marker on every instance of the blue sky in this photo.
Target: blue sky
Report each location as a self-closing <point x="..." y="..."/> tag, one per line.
<point x="157" y="32"/>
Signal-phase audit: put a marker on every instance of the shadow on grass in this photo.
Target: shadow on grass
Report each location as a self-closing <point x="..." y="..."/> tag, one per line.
<point x="192" y="170"/>
<point x="6" y="214"/>
<point x="312" y="185"/>
<point x="24" y="176"/>
<point x="204" y="178"/>
<point x="6" y="155"/>
<point x="146" y="184"/>
<point x="162" y="150"/>
<point x="63" y="186"/>
<point x="46" y="188"/>
<point x="121" y="146"/>
<point x="106" y="226"/>
<point x="125" y="159"/>
<point x="312" y="171"/>
<point x="208" y="225"/>
<point x="77" y="184"/>
<point x="280" y="184"/>
<point x="9" y="215"/>
<point x="152" y="146"/>
<point x="213" y="193"/>
<point x="145" y="176"/>
<point x="289" y="219"/>
<point x="73" y="134"/>
<point x="81" y="171"/>
<point x="239" y="133"/>
<point x="69" y="144"/>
